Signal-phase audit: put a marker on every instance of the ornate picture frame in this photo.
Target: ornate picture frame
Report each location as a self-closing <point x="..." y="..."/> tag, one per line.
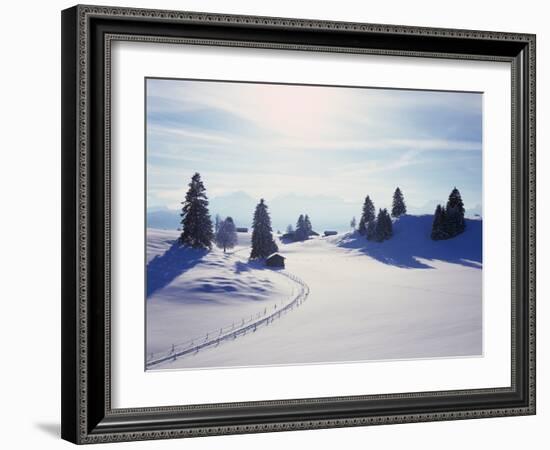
<point x="88" y="33"/>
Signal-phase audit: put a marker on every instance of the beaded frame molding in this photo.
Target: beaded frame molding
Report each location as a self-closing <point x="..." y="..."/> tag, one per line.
<point x="87" y="35"/>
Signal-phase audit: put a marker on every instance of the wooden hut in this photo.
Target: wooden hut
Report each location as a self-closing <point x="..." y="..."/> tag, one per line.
<point x="275" y="260"/>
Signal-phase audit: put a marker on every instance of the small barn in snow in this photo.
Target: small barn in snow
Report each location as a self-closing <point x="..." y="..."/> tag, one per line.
<point x="331" y="233"/>
<point x="275" y="260"/>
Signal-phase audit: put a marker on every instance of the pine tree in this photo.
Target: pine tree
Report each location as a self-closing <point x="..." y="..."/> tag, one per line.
<point x="439" y="224"/>
<point x="301" y="231"/>
<point x="367" y="216"/>
<point x="384" y="227"/>
<point x="289" y="229"/>
<point x="263" y="244"/>
<point x="353" y="223"/>
<point x="307" y="225"/>
<point x="449" y="221"/>
<point x="379" y="228"/>
<point x="195" y="218"/>
<point x="388" y="226"/>
<point x="371" y="230"/>
<point x="226" y="237"/>
<point x="398" y="206"/>
<point x="455" y="223"/>
<point x="455" y="201"/>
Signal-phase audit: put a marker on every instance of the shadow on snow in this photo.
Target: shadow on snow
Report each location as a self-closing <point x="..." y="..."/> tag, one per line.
<point x="256" y="264"/>
<point x="162" y="270"/>
<point x="411" y="243"/>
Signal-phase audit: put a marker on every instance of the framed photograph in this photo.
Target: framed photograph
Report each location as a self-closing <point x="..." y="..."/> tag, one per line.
<point x="277" y="224"/>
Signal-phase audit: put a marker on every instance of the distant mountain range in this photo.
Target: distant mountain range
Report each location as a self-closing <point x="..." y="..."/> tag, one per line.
<point x="163" y="218"/>
<point x="326" y="213"/>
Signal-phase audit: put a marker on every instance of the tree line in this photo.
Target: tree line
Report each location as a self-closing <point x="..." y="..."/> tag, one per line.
<point x="379" y="227"/>
<point x="199" y="232"/>
<point x="303" y="230"/>
<point x="449" y="220"/>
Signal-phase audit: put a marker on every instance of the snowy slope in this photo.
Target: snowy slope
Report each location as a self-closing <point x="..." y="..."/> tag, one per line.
<point x="409" y="297"/>
<point x="412" y="247"/>
<point x="193" y="292"/>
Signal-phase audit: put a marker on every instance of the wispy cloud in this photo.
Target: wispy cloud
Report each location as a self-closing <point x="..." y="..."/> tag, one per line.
<point x="270" y="140"/>
<point x="418" y="144"/>
<point x="186" y="134"/>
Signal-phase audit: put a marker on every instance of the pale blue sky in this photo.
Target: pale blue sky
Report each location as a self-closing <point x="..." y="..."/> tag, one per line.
<point x="272" y="141"/>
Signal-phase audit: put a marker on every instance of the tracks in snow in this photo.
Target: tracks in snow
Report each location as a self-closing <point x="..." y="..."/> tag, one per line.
<point x="232" y="332"/>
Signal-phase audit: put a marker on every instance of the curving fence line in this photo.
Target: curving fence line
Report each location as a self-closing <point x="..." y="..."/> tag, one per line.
<point x="230" y="332"/>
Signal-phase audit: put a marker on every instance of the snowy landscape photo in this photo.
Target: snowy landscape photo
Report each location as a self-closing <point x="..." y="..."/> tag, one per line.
<point x="296" y="224"/>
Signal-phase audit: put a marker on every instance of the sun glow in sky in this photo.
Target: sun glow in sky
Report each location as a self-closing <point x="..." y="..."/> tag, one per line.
<point x="272" y="141"/>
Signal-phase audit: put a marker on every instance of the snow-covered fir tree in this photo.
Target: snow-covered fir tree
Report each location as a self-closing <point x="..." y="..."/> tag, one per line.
<point x="439" y="224"/>
<point x="389" y="224"/>
<point x="196" y="224"/>
<point x="307" y="224"/>
<point x="301" y="233"/>
<point x="449" y="220"/>
<point x="379" y="229"/>
<point x="290" y="229"/>
<point x="455" y="214"/>
<point x="353" y="223"/>
<point x="263" y="244"/>
<point x="300" y="222"/>
<point x="398" y="205"/>
<point x="384" y="226"/>
<point x="368" y="215"/>
<point x="455" y="201"/>
<point x="371" y="230"/>
<point x="226" y="237"/>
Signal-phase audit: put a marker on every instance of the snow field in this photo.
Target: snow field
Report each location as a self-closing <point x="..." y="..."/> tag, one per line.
<point x="409" y="297"/>
<point x="205" y="293"/>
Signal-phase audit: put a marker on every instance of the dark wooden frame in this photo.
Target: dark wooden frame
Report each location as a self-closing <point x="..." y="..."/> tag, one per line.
<point x="87" y="32"/>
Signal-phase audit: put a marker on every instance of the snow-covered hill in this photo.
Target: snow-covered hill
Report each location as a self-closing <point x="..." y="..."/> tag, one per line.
<point x="194" y="292"/>
<point x="409" y="297"/>
<point x="412" y="247"/>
